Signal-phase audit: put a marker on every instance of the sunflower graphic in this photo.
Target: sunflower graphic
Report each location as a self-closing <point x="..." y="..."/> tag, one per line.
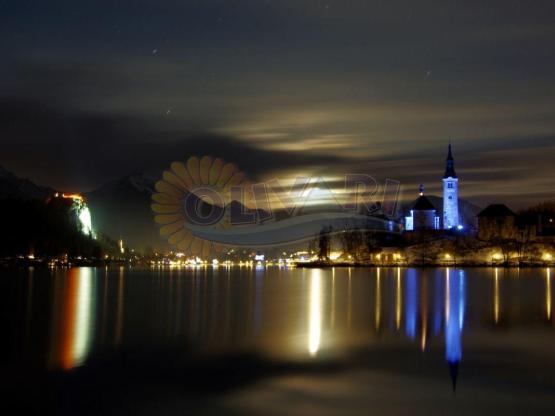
<point x="196" y="192"/>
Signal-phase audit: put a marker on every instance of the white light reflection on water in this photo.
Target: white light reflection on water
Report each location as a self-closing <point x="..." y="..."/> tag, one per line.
<point x="315" y="312"/>
<point x="83" y="318"/>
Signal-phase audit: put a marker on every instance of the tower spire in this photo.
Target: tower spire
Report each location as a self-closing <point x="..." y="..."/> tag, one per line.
<point x="450" y="164"/>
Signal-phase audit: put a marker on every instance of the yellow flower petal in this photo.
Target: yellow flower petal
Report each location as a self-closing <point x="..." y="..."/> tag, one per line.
<point x="178" y="236"/>
<point x="168" y="219"/>
<point x="172" y="228"/>
<point x="205" y="164"/>
<point x="181" y="171"/>
<point x="186" y="242"/>
<point x="235" y="180"/>
<point x="166" y="209"/>
<point x="206" y="249"/>
<point x="215" y="171"/>
<point x="193" y="169"/>
<point x="166" y="188"/>
<point x="174" y="180"/>
<point x="196" y="246"/>
<point x="165" y="199"/>
<point x="227" y="172"/>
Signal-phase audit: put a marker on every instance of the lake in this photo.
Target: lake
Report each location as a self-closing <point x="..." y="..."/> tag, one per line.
<point x="279" y="341"/>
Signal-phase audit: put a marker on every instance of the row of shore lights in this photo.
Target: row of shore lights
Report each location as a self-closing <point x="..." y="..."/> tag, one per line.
<point x="499" y="257"/>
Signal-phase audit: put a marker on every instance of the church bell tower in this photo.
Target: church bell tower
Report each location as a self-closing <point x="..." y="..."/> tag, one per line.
<point x="450" y="194"/>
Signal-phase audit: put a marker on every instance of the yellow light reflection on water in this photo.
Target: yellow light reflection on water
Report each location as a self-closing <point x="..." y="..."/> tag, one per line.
<point x="496" y="296"/>
<point x="315" y="312"/>
<point x="398" y="300"/>
<point x="548" y="294"/>
<point x="333" y="297"/>
<point x="378" y="299"/>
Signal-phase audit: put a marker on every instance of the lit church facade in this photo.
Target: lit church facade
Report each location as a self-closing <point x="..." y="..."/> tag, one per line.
<point x="423" y="215"/>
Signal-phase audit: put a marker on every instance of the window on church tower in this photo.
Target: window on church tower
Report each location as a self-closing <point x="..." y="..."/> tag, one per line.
<point x="450" y="185"/>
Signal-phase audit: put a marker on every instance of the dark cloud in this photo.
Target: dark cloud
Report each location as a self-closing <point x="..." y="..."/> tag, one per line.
<point x="94" y="89"/>
<point x="74" y="150"/>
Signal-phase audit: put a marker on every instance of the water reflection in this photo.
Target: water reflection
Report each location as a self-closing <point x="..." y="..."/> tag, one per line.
<point x="315" y="312"/>
<point x="454" y="320"/>
<point x="411" y="303"/>
<point x="548" y="294"/>
<point x="378" y="300"/>
<point x="77" y="320"/>
<point x="280" y="312"/>
<point x="398" y="300"/>
<point x="496" y="300"/>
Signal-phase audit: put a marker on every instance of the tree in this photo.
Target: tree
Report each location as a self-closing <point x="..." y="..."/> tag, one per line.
<point x="458" y="247"/>
<point x="324" y="244"/>
<point x="506" y="246"/>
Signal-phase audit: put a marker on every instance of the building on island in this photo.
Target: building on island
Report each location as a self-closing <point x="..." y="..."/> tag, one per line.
<point x="450" y="194"/>
<point x="497" y="221"/>
<point x="423" y="215"/>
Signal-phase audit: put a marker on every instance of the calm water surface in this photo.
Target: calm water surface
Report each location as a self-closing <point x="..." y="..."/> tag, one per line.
<point x="276" y="340"/>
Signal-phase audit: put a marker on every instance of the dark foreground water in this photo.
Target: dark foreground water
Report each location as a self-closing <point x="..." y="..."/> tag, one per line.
<point x="277" y="341"/>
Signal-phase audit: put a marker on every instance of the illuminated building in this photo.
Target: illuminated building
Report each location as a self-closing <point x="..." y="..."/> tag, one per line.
<point x="423" y="215"/>
<point x="450" y="194"/>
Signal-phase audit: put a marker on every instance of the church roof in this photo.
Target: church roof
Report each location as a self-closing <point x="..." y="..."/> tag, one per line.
<point x="497" y="210"/>
<point x="423" y="204"/>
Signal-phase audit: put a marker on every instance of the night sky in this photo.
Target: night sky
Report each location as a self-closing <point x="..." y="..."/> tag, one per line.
<point x="93" y="90"/>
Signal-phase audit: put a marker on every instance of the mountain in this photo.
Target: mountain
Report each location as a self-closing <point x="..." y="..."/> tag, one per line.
<point x="121" y="209"/>
<point x="13" y="187"/>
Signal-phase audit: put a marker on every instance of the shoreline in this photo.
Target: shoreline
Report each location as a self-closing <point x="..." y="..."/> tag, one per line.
<point x="303" y="265"/>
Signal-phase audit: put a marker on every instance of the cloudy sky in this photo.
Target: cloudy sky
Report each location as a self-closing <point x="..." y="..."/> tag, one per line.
<point x="93" y="90"/>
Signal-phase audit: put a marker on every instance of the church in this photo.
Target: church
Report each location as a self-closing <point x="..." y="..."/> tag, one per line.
<point x="424" y="216"/>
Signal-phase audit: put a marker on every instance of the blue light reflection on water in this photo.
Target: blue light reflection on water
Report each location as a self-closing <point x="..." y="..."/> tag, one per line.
<point x="411" y="302"/>
<point x="454" y="314"/>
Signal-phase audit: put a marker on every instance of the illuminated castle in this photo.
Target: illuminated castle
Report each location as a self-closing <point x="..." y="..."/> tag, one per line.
<point x="79" y="210"/>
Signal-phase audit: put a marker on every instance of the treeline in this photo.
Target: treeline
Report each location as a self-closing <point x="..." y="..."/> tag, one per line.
<point x="42" y="229"/>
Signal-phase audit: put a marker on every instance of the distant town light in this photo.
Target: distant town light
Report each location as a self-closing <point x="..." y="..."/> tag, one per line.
<point x="460" y="227"/>
<point x="548" y="256"/>
<point x="334" y="255"/>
